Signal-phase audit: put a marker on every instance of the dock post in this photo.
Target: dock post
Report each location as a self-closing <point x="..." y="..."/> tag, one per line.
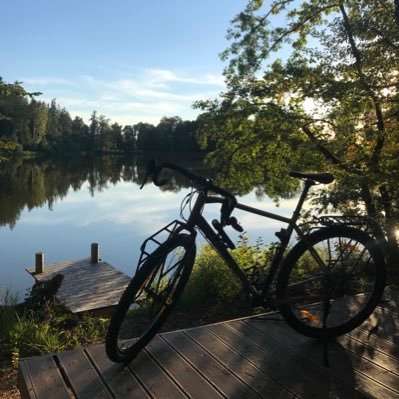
<point x="39" y="264"/>
<point x="95" y="252"/>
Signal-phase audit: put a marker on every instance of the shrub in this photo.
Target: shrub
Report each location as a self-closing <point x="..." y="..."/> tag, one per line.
<point x="36" y="327"/>
<point x="212" y="281"/>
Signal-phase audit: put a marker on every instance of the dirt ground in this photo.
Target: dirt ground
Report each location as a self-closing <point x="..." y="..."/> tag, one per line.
<point x="8" y="381"/>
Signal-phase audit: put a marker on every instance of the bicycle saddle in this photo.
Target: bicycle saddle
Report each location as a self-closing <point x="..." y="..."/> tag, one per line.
<point x="324" y="178"/>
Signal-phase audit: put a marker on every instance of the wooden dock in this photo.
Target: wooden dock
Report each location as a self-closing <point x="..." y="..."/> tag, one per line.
<point x="87" y="285"/>
<point x="246" y="358"/>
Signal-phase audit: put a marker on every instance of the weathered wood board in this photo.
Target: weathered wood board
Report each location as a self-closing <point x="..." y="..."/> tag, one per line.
<point x="86" y="285"/>
<point x="240" y="359"/>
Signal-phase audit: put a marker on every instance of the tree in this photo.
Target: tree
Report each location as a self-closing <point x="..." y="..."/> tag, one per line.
<point x="38" y="120"/>
<point x="116" y="136"/>
<point x="80" y="139"/>
<point x="104" y="139"/>
<point x="78" y="127"/>
<point x="15" y="113"/>
<point x="65" y="121"/>
<point x="145" y="136"/>
<point x="94" y="127"/>
<point x="54" y="127"/>
<point x="129" y="138"/>
<point x="333" y="103"/>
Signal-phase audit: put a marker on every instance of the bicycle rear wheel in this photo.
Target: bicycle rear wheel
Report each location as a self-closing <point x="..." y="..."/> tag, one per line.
<point x="150" y="297"/>
<point x="331" y="282"/>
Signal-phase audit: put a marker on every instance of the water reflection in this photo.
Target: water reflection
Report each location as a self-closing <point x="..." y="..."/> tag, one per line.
<point x="34" y="183"/>
<point x="60" y="207"/>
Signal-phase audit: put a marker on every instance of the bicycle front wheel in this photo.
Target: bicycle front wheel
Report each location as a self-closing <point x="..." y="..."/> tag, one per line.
<point x="331" y="282"/>
<point x="150" y="297"/>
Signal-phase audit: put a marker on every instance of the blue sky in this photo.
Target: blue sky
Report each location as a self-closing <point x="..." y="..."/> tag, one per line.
<point x="130" y="60"/>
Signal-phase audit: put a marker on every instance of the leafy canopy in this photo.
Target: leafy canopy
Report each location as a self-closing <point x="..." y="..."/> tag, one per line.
<point x="311" y="85"/>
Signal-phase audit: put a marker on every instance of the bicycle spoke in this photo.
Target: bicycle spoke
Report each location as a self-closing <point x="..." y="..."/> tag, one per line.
<point x="326" y="300"/>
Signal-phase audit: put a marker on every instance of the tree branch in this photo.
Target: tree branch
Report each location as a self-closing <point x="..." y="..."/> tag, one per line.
<point x="362" y="78"/>
<point x="326" y="152"/>
<point x="299" y="24"/>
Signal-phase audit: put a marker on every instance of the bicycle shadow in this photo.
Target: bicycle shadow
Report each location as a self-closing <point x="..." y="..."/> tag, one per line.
<point x="298" y="362"/>
<point x="263" y="357"/>
<point x="380" y="332"/>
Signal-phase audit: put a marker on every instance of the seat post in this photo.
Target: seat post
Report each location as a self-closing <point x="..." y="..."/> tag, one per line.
<point x="297" y="212"/>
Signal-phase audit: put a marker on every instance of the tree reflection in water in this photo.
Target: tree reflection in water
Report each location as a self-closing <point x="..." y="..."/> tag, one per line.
<point x="34" y="183"/>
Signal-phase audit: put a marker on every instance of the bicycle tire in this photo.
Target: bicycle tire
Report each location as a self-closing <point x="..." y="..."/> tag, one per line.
<point x="351" y="286"/>
<point x="130" y="328"/>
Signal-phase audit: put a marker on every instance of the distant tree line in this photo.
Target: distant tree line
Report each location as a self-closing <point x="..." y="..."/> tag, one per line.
<point x="29" y="124"/>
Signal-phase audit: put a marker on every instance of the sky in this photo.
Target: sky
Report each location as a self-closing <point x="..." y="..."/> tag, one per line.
<point x="130" y="60"/>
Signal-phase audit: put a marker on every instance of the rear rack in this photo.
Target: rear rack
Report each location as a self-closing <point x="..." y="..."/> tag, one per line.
<point x="364" y="223"/>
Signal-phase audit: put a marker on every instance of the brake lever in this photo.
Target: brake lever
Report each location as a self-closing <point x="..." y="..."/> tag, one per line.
<point x="233" y="222"/>
<point x="222" y="234"/>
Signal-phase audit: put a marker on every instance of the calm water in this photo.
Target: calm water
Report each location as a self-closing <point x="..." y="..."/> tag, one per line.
<point x="60" y="208"/>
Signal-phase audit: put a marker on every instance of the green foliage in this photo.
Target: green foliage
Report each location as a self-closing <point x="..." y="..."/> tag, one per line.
<point x="44" y="328"/>
<point x="28" y="336"/>
<point x="8" y="318"/>
<point x="212" y="282"/>
<point x="330" y="104"/>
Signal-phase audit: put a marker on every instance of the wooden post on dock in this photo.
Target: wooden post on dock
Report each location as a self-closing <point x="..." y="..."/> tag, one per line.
<point x="95" y="252"/>
<point x="39" y="264"/>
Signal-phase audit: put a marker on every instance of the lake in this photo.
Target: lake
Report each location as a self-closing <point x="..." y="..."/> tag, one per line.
<point x="61" y="207"/>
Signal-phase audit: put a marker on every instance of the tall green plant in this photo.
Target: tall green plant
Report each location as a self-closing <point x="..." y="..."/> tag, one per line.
<point x="212" y="282"/>
<point x="47" y="328"/>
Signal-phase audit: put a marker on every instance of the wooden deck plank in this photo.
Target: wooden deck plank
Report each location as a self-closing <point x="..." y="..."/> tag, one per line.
<point x="45" y="378"/>
<point x="86" y="285"/>
<point x="117" y="377"/>
<point x="24" y="383"/>
<point x="154" y="378"/>
<point x="375" y="342"/>
<point x="301" y="378"/>
<point x="366" y="351"/>
<point x="382" y="332"/>
<point x="217" y="374"/>
<point x="188" y="378"/>
<point x="238" y="359"/>
<point x="344" y="365"/>
<point x="83" y="377"/>
<point x="261" y="382"/>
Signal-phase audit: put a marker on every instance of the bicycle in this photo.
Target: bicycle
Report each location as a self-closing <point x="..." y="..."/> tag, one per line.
<point x="327" y="284"/>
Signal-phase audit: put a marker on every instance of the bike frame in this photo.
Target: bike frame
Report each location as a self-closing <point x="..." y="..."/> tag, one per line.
<point x="197" y="221"/>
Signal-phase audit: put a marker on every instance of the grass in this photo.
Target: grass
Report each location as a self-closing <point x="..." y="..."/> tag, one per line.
<point x="42" y="328"/>
<point x="36" y="328"/>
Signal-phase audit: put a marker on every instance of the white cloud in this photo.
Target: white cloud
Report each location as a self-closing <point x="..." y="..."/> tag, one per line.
<point x="145" y="96"/>
<point x="163" y="75"/>
<point x="48" y="81"/>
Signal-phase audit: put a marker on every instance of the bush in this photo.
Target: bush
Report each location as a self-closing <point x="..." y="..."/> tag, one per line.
<point x="36" y="327"/>
<point x="213" y="282"/>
